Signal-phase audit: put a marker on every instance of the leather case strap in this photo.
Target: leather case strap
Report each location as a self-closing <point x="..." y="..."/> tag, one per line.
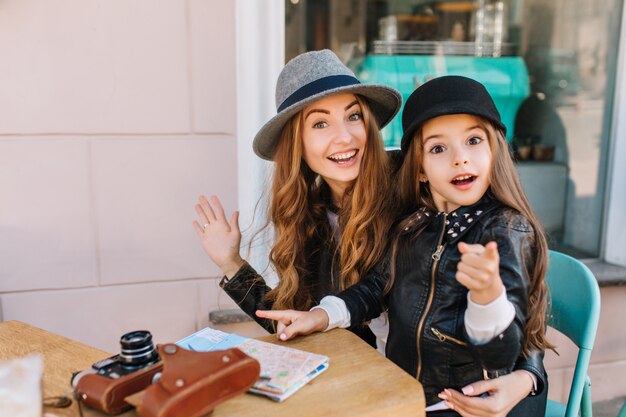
<point x="194" y="383"/>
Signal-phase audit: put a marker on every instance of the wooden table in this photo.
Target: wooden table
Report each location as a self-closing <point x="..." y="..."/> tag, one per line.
<point x="358" y="382"/>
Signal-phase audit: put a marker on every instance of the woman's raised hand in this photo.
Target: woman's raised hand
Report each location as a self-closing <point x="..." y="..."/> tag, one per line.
<point x="220" y="238"/>
<point x="479" y="271"/>
<point x="292" y="323"/>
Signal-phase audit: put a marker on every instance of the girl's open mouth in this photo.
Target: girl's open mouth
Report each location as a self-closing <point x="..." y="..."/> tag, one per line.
<point x="343" y="158"/>
<point x="464" y="179"/>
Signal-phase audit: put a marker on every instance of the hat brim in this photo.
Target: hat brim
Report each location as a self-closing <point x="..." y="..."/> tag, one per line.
<point x="460" y="107"/>
<point x="385" y="102"/>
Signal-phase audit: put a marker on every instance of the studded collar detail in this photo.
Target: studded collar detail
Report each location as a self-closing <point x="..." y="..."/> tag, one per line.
<point x="461" y="219"/>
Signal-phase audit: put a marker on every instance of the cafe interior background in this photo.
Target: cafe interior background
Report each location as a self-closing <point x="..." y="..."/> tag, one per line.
<point x="117" y="115"/>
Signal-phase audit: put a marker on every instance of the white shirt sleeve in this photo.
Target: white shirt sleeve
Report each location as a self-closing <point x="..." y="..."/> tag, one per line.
<point x="335" y="308"/>
<point x="380" y="327"/>
<point x="484" y="322"/>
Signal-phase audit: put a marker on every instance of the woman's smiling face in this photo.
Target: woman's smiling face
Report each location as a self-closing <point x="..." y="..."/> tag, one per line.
<point x="333" y="139"/>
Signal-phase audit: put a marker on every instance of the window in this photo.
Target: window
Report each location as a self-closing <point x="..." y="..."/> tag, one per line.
<point x="549" y="64"/>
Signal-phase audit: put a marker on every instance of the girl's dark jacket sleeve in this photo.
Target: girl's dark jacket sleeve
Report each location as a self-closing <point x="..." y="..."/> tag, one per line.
<point x="248" y="290"/>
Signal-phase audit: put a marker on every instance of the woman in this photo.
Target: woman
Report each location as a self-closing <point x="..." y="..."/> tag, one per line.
<point x="328" y="205"/>
<point x="324" y="137"/>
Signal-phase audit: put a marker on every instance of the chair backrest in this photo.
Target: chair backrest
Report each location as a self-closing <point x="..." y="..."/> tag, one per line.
<point x="575" y="299"/>
<point x="574" y="311"/>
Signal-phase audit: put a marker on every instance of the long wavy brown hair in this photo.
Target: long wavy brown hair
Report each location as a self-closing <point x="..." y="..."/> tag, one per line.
<point x="298" y="209"/>
<point x="505" y="186"/>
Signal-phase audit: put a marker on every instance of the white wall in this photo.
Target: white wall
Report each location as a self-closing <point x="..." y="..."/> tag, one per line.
<point x="260" y="58"/>
<point x="114" y="117"/>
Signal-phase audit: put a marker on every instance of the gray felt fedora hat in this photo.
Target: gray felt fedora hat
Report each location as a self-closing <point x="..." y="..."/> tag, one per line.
<point x="310" y="77"/>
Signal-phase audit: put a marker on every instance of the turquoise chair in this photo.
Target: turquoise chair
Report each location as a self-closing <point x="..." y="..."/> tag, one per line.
<point x="574" y="311"/>
<point x="622" y="412"/>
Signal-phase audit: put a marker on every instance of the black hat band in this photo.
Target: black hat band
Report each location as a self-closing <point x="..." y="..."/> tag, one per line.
<point x="316" y="87"/>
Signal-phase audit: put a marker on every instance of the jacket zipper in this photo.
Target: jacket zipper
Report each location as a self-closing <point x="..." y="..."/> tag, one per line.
<point x="443" y="337"/>
<point x="431" y="294"/>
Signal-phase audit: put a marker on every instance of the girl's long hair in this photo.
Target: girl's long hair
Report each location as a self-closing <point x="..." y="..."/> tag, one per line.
<point x="298" y="209"/>
<point x="505" y="187"/>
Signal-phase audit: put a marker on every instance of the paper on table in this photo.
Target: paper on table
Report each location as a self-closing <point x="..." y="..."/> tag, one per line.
<point x="441" y="405"/>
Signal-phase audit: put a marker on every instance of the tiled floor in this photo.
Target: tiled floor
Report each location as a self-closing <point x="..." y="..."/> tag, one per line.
<point x="608" y="408"/>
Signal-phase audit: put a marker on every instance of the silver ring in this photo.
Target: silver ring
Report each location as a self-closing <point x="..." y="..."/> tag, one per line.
<point x="205" y="226"/>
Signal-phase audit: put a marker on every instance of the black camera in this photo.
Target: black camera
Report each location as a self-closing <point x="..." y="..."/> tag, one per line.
<point x="137" y="352"/>
<point x="105" y="385"/>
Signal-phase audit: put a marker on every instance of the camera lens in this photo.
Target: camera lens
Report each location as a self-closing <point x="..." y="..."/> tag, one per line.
<point x="137" y="349"/>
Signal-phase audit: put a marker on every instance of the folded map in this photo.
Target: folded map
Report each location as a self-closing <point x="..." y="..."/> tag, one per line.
<point x="284" y="370"/>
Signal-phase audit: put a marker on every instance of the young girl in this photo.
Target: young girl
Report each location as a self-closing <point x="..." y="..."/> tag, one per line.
<point x="465" y="287"/>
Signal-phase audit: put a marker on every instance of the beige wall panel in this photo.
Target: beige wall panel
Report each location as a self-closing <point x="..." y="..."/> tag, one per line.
<point x="558" y="384"/>
<point x="607" y="380"/>
<point x="567" y="351"/>
<point x="99" y="316"/>
<point x="46" y="222"/>
<point x="611" y="338"/>
<point x="145" y="192"/>
<point x="93" y="66"/>
<point x="213" y="65"/>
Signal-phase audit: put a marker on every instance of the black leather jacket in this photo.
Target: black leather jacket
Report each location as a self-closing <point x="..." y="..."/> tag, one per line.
<point x="427" y="304"/>
<point x="248" y="289"/>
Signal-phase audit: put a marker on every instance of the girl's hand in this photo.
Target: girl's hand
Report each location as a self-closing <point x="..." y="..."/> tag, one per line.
<point x="504" y="392"/>
<point x="220" y="238"/>
<point x="479" y="271"/>
<point x="292" y="323"/>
